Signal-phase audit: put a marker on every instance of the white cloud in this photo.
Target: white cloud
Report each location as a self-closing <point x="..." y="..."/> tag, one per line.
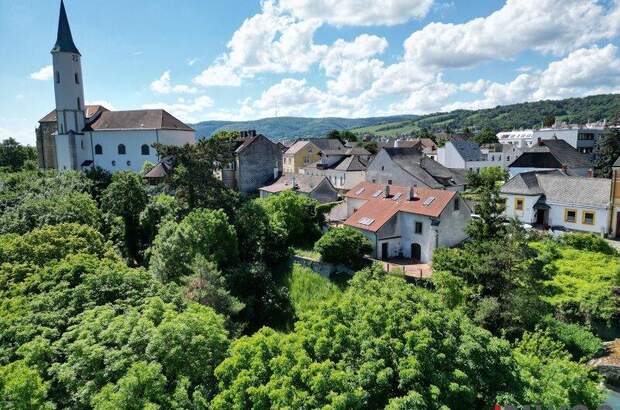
<point x="358" y="12"/>
<point x="24" y="136"/>
<point x="44" y="74"/>
<point x="475" y="87"/>
<point x="219" y="74"/>
<point x="356" y="76"/>
<point x="192" y="61"/>
<point x="185" y="109"/>
<point x="586" y="71"/>
<point x="427" y="98"/>
<point x="547" y="26"/>
<point x="342" y="52"/>
<point x="163" y="85"/>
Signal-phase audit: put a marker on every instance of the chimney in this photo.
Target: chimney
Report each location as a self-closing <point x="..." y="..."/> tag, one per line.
<point x="410" y="193"/>
<point x="386" y="191"/>
<point x="540" y="143"/>
<point x="590" y="173"/>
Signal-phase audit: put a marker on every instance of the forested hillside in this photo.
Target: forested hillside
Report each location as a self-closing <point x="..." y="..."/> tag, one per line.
<point x="507" y="117"/>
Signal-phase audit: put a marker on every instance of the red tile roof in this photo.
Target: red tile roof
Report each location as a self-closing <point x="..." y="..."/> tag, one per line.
<point x="380" y="210"/>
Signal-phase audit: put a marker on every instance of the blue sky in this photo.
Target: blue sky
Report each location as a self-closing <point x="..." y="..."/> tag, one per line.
<point x="247" y="59"/>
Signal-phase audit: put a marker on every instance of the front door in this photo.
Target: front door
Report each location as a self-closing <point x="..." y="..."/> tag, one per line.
<point x="384" y="250"/>
<point x="540" y="217"/>
<point x="416" y="252"/>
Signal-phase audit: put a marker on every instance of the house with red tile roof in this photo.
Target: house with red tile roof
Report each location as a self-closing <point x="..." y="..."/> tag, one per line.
<point x="407" y="222"/>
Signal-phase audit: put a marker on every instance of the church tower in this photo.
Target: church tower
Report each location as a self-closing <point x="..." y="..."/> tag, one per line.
<point x="68" y="90"/>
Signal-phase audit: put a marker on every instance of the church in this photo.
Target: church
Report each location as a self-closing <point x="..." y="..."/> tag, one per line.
<point x="78" y="136"/>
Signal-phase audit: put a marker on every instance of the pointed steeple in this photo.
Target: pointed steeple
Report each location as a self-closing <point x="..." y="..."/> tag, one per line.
<point x="64" y="40"/>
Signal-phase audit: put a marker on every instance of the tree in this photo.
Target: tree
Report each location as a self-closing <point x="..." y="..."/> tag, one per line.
<point x="159" y="209"/>
<point x="548" y="120"/>
<point x="294" y="214"/>
<point x="551" y="379"/>
<point x="100" y="179"/>
<point x="486" y="136"/>
<point x="22" y="388"/>
<point x="203" y="232"/>
<point x="489" y="177"/>
<point x="606" y="152"/>
<point x="379" y="345"/>
<point x="194" y="178"/>
<point x="343" y="245"/>
<point x="371" y="146"/>
<point x="126" y="197"/>
<point x="13" y="155"/>
<point x="488" y="222"/>
<point x="208" y="287"/>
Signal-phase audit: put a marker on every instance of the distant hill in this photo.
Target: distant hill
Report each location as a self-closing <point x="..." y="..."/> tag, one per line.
<point x="507" y="117"/>
<point x="291" y="127"/>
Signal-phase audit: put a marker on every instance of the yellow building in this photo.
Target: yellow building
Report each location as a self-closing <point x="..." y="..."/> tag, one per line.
<point x="298" y="156"/>
<point x="614" y="220"/>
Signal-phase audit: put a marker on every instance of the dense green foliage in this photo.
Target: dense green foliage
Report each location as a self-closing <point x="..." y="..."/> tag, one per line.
<point x="345" y="246"/>
<point x="606" y="152"/>
<point x="14" y="156"/>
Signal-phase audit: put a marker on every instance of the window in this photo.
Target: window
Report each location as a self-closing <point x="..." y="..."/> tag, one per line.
<point x="57" y="77"/>
<point x="98" y="150"/>
<point x="389" y="182"/>
<point x="519" y="203"/>
<point x="457" y="205"/>
<point x="128" y="163"/>
<point x="77" y="78"/>
<point x="145" y="150"/>
<point x="570" y="215"/>
<point x="79" y="103"/>
<point x="121" y="149"/>
<point x="508" y="158"/>
<point x="82" y="144"/>
<point x="588" y="218"/>
<point x="382" y="168"/>
<point x="418" y="227"/>
<point x="113" y="163"/>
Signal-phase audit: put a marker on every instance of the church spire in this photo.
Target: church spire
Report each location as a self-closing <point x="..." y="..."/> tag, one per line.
<point x="64" y="40"/>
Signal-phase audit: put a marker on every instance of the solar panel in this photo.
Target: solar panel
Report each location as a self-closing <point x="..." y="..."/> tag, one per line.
<point x="359" y="191"/>
<point x="429" y="200"/>
<point x="396" y="197"/>
<point x="376" y="194"/>
<point x="366" y="221"/>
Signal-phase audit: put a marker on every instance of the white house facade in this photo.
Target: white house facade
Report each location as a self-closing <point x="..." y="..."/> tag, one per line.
<point x="551" y="199"/>
<point x="581" y="137"/>
<point x="407" y="222"/>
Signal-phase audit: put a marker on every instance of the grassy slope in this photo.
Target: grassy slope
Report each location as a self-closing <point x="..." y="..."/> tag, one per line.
<point x="308" y="289"/>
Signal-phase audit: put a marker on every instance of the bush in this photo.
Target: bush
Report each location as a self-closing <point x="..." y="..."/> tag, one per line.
<point x="577" y="340"/>
<point x="343" y="245"/>
<point x="587" y="242"/>
<point x="308" y="289"/>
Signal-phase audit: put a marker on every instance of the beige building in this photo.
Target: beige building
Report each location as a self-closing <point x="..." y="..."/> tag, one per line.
<point x="299" y="155"/>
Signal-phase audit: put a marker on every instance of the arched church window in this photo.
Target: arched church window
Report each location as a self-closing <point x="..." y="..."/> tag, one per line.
<point x="121" y="149"/>
<point x="98" y="150"/>
<point x="145" y="150"/>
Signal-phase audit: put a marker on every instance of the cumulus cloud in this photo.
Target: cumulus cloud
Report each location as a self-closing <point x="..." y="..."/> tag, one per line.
<point x="185" y="109"/>
<point x="358" y="12"/>
<point x="547" y="26"/>
<point x="343" y="52"/>
<point x="163" y="85"/>
<point x="44" y="74"/>
<point x="219" y="74"/>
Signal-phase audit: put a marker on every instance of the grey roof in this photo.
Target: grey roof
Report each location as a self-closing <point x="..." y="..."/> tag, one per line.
<point x="89" y="112"/>
<point x="64" y="40"/>
<point x="357" y="151"/>
<point x="552" y="153"/>
<point x="427" y="170"/>
<point x="560" y="188"/>
<point x="327" y="144"/>
<point x="303" y="183"/>
<point x="138" y="119"/>
<point x="468" y="150"/>
<point x="351" y="163"/>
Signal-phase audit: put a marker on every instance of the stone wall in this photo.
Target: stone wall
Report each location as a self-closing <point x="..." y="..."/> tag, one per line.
<point x="256" y="165"/>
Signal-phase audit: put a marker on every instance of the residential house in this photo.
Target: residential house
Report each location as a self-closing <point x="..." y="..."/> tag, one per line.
<point x="405" y="221"/>
<point x="554" y="199"/>
<point x="257" y="161"/>
<point x="614" y="220"/>
<point x="315" y="187"/>
<point x="467" y="154"/>
<point x="298" y="155"/>
<point x="581" y="137"/>
<point x="552" y="154"/>
<point x="410" y="167"/>
<point x="344" y="174"/>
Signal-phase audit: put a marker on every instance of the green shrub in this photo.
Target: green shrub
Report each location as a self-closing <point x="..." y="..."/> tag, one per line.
<point x="588" y="242"/>
<point x="577" y="340"/>
<point x="307" y="289"/>
<point x="343" y="245"/>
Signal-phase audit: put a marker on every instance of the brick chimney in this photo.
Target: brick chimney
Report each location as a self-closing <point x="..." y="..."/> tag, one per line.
<point x="411" y="193"/>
